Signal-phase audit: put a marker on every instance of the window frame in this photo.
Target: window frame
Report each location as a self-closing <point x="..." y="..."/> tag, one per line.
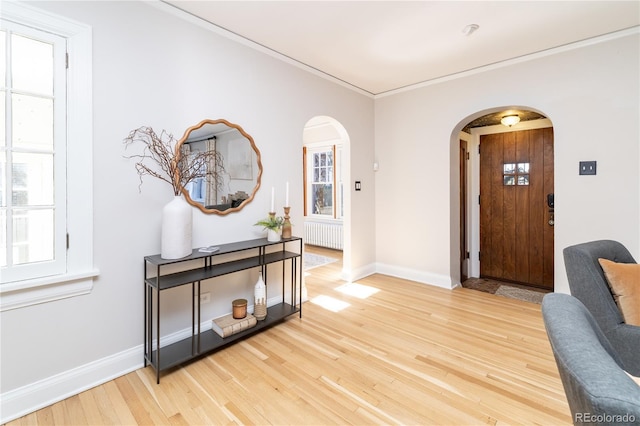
<point x="337" y="195"/>
<point x="80" y="271"/>
<point x="57" y="265"/>
<point x="519" y="172"/>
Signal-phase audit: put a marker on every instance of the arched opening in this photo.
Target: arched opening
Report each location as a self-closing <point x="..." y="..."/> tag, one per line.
<point x="502" y="211"/>
<point x="327" y="200"/>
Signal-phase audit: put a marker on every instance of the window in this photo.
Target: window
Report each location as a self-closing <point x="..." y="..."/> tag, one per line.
<point x="32" y="153"/>
<point x="46" y="220"/>
<point x="324" y="191"/>
<point x="322" y="183"/>
<point x="516" y="174"/>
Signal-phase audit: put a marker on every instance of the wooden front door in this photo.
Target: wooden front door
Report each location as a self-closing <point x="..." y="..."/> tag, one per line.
<point x="516" y="207"/>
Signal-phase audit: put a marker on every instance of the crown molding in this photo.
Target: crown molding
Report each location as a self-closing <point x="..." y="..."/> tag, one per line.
<point x="524" y="58"/>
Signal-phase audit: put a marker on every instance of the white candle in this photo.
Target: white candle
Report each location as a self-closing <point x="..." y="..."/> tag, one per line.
<point x="273" y="199"/>
<point x="286" y="202"/>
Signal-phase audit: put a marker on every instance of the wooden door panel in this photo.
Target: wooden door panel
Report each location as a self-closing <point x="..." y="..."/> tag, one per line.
<point x="509" y="237"/>
<point x="497" y="201"/>
<point x="485" y="206"/>
<point x="537" y="208"/>
<point x="509" y="210"/>
<point x="522" y="213"/>
<point x="516" y="242"/>
<point x="548" y="265"/>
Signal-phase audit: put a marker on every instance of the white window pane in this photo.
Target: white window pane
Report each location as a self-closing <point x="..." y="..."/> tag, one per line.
<point x="509" y="169"/>
<point x="32" y="236"/>
<point x="26" y="52"/>
<point x="523" y="167"/>
<point x="3" y="120"/>
<point x="3" y="57"/>
<point x="32" y="183"/>
<point x="322" y="198"/>
<point x="32" y="122"/>
<point x="3" y="237"/>
<point x="523" y="180"/>
<point x="340" y="200"/>
<point x="3" y="180"/>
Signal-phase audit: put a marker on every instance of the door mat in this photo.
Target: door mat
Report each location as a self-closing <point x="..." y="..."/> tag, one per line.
<point x="520" y="294"/>
<point x="505" y="290"/>
<point x="314" y="260"/>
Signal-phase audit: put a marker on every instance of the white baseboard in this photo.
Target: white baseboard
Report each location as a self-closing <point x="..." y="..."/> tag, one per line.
<point x="443" y="281"/>
<point x="359" y="273"/>
<point x="34" y="396"/>
<point x="436" y="280"/>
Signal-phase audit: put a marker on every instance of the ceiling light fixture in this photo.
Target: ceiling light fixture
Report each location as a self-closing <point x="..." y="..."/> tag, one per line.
<point x="470" y="29"/>
<point x="510" y="120"/>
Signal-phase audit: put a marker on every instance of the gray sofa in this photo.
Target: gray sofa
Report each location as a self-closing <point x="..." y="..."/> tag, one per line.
<point x="588" y="284"/>
<point x="598" y="390"/>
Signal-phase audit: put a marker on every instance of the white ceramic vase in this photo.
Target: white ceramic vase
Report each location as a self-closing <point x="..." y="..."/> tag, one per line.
<point x="260" y="299"/>
<point x="272" y="235"/>
<point x="177" y="227"/>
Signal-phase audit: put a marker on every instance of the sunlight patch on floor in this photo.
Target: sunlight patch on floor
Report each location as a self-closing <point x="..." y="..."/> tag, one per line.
<point x="330" y="303"/>
<point x="357" y="290"/>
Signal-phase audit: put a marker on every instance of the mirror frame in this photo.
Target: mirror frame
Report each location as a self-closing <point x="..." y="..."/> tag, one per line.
<point x="202" y="208"/>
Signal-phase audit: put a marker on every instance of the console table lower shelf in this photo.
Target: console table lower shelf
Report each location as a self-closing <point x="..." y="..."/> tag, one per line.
<point x="208" y="341"/>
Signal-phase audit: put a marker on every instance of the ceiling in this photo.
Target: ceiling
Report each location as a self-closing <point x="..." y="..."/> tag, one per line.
<point x="381" y="46"/>
<point x="495" y="118"/>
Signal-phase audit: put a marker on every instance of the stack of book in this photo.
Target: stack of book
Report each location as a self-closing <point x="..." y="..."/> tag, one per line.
<point x="227" y="325"/>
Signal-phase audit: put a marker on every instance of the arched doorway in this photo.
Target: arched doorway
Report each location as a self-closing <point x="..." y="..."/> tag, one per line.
<point x="505" y="193"/>
<point x="326" y="172"/>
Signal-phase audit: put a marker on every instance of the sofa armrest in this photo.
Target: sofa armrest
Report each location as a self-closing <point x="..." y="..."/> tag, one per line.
<point x="626" y="339"/>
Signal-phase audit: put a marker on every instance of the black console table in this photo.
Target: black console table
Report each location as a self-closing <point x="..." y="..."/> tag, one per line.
<point x="200" y="266"/>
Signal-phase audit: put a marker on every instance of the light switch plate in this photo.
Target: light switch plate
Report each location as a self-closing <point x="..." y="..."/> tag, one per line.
<point x="587" y="167"/>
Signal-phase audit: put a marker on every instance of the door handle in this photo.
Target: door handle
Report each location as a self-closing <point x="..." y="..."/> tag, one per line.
<point x="550" y="204"/>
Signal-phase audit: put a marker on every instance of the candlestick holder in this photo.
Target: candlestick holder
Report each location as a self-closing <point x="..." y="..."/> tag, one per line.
<point x="286" y="227"/>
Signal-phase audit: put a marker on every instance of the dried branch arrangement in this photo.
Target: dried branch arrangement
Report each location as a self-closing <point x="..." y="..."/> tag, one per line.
<point x="171" y="165"/>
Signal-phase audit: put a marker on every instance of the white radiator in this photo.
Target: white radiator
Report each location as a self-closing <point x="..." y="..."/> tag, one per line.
<point x="327" y="235"/>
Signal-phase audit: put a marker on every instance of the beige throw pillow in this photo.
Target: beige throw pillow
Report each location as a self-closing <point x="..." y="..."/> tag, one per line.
<point x="624" y="281"/>
<point x="634" y="378"/>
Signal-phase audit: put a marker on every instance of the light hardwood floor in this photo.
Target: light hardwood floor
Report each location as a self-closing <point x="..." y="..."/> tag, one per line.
<point x="407" y="354"/>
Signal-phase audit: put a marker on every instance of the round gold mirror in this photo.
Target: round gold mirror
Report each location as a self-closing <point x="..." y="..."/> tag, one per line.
<point x="232" y="175"/>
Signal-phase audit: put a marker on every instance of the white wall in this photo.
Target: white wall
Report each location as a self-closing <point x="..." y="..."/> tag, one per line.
<point x="590" y="94"/>
<point x="153" y="68"/>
